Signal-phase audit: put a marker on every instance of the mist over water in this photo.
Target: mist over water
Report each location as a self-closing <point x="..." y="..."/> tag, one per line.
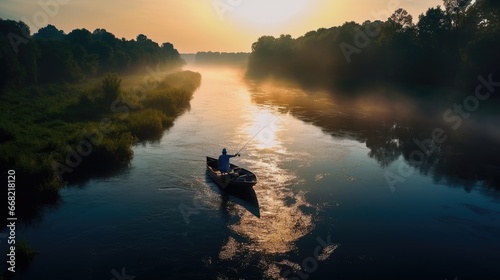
<point x="322" y="209"/>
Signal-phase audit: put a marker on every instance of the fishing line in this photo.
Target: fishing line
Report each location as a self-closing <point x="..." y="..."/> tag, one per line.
<point x="257" y="133"/>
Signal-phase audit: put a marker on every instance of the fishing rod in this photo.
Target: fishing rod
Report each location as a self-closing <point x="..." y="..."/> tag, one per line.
<point x="257" y="134"/>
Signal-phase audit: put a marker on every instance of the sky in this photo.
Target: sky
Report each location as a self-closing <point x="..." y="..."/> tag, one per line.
<point x="204" y="25"/>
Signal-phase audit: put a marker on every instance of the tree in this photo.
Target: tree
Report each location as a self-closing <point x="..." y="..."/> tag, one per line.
<point x="104" y="36"/>
<point x="49" y="32"/>
<point x="141" y="38"/>
<point x="433" y="25"/>
<point x="105" y="54"/>
<point x="110" y="86"/>
<point x="456" y="9"/>
<point x="82" y="37"/>
<point x="401" y="20"/>
<point x="264" y="45"/>
<point x="57" y="62"/>
<point x="480" y="54"/>
<point x="488" y="14"/>
<point x="18" y="54"/>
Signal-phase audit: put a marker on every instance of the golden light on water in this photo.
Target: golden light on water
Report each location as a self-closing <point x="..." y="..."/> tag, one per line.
<point x="264" y="129"/>
<point x="266" y="233"/>
<point x="281" y="222"/>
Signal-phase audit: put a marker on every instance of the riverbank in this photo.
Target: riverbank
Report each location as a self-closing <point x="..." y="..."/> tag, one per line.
<point x="58" y="133"/>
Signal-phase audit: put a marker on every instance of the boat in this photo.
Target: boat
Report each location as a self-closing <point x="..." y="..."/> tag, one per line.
<point x="238" y="178"/>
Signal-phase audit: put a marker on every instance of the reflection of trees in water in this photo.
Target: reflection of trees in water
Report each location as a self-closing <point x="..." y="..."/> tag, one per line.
<point x="469" y="157"/>
<point x="30" y="207"/>
<point x="466" y="158"/>
<point x="384" y="147"/>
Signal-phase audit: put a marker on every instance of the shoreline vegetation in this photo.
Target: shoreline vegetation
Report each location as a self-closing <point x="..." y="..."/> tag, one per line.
<point x="449" y="47"/>
<point x="65" y="116"/>
<point x="60" y="133"/>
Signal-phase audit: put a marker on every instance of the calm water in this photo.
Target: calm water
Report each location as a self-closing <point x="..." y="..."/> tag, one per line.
<point x="324" y="208"/>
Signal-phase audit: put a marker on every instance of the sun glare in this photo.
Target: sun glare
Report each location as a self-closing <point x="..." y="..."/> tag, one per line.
<point x="269" y="13"/>
<point x="264" y="129"/>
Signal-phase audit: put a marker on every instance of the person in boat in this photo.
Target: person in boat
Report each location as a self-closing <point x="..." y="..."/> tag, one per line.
<point x="224" y="165"/>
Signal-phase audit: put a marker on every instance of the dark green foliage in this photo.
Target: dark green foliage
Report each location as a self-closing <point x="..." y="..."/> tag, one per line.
<point x="148" y="124"/>
<point x="50" y="55"/>
<point x="46" y="112"/>
<point x="57" y="62"/>
<point x="42" y="126"/>
<point x="448" y="46"/>
<point x="163" y="100"/>
<point x="110" y="87"/>
<point x="18" y="54"/>
<point x="49" y="32"/>
<point x="114" y="150"/>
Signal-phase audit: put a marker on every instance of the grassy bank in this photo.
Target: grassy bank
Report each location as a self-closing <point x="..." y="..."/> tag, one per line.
<point x="56" y="133"/>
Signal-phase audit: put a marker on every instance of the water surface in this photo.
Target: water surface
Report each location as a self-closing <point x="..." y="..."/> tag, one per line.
<point x="323" y="209"/>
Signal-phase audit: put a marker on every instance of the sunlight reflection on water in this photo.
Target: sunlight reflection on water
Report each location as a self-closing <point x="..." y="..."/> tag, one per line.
<point x="267" y="238"/>
<point x="282" y="218"/>
<point x="319" y="176"/>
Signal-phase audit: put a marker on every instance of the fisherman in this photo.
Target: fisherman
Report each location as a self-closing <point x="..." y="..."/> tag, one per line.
<point x="224" y="165"/>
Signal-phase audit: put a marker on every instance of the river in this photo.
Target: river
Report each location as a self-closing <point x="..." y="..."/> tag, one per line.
<point x="336" y="199"/>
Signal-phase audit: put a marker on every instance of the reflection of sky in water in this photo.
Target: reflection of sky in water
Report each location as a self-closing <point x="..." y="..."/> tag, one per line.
<point x="311" y="185"/>
<point x="285" y="214"/>
<point x="282" y="219"/>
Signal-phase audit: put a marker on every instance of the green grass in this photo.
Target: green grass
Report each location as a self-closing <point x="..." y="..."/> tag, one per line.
<point x="41" y="127"/>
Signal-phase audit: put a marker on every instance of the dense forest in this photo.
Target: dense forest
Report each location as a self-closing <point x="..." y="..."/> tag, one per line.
<point x="50" y="55"/>
<point x="449" y="46"/>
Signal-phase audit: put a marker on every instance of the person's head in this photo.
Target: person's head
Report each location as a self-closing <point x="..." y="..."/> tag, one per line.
<point x="224" y="151"/>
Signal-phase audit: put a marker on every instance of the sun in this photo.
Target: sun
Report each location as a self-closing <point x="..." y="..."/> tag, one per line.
<point x="268" y="13"/>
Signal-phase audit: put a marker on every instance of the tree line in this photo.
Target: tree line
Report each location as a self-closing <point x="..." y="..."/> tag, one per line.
<point x="450" y="45"/>
<point x="50" y="55"/>
<point x="225" y="58"/>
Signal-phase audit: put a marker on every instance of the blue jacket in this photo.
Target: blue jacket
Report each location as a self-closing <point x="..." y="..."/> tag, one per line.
<point x="224" y="162"/>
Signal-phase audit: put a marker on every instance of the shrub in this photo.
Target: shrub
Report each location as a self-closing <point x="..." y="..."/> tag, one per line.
<point x="147" y="124"/>
<point x="110" y="86"/>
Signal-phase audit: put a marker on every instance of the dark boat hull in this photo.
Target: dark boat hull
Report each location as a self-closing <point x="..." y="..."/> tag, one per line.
<point x="238" y="178"/>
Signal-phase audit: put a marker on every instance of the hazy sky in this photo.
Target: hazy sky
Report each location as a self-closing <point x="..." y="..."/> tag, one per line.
<point x="200" y="25"/>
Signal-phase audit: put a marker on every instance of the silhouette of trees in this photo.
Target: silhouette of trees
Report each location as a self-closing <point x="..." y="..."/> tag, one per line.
<point x="455" y="9"/>
<point x="401" y="20"/>
<point x="432" y="27"/>
<point x="481" y="27"/>
<point x="81" y="37"/>
<point x="225" y="58"/>
<point x="49" y="32"/>
<point x="50" y="55"/>
<point x="18" y="54"/>
<point x="450" y="45"/>
<point x="57" y="62"/>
